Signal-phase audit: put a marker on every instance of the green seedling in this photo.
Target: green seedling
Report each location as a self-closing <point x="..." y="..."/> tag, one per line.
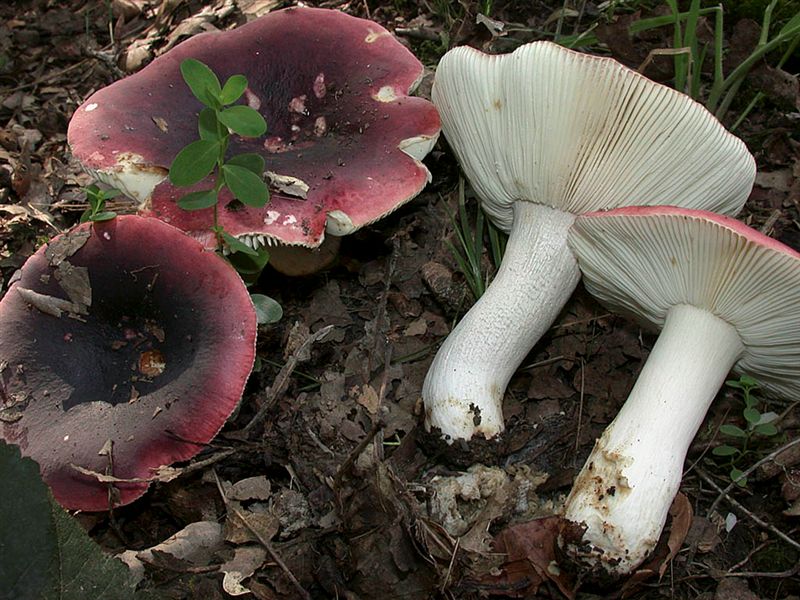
<point x="469" y="251"/>
<point x="759" y="426"/>
<point x="97" y="198"/>
<point x="241" y="174"/>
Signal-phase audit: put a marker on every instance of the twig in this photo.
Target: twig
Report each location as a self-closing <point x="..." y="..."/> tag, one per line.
<point x="545" y="362"/>
<point x="281" y="382"/>
<point x="351" y="458"/>
<point x="768" y="458"/>
<point x="580" y="414"/>
<point x="707" y="478"/>
<point x="449" y="573"/>
<point x="766" y="228"/>
<point x="262" y="540"/>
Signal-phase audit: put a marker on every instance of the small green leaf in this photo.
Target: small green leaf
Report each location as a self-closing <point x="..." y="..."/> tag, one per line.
<point x="194" y="162"/>
<point x="732" y="431"/>
<point x="751" y="415"/>
<point x="243" y="120"/>
<point x="724" y="450"/>
<point x="766" y="429"/>
<point x="207" y="124"/>
<point x="198" y="200"/>
<point x="86" y="215"/>
<point x="106" y="215"/>
<point x="267" y="309"/>
<point x="236" y="246"/>
<point x="250" y="161"/>
<point x="202" y="81"/>
<point x="250" y="266"/>
<point x="245" y="185"/>
<point x="233" y="89"/>
<point x="736" y="476"/>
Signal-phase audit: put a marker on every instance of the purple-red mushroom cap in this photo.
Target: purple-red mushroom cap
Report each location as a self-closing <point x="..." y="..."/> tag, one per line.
<point x="344" y="142"/>
<point x="126" y="331"/>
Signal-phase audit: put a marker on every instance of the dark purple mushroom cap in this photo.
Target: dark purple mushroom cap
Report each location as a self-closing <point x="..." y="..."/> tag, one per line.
<point x="151" y="350"/>
<point x="334" y="92"/>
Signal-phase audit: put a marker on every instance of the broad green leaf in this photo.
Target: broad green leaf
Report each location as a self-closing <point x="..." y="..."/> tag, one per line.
<point x="249" y="266"/>
<point x="194" y="162"/>
<point x="732" y="430"/>
<point x="250" y="161"/>
<point x="751" y="415"/>
<point x="202" y="81"/>
<point x="267" y="309"/>
<point x="724" y="450"/>
<point x="207" y="124"/>
<point x="233" y="89"/>
<point x="46" y="555"/>
<point x="766" y="429"/>
<point x="236" y="246"/>
<point x="198" y="200"/>
<point x="243" y="120"/>
<point x="245" y="185"/>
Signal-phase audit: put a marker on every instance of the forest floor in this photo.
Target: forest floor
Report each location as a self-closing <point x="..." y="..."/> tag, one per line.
<point x="349" y="499"/>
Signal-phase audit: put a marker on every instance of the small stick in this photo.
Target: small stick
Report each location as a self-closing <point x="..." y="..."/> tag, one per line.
<point x="262" y="540"/>
<point x="282" y="380"/>
<point x="707" y="478"/>
<point x="580" y="415"/>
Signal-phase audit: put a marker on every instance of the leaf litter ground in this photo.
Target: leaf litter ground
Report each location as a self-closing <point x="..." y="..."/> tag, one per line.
<point x="324" y="485"/>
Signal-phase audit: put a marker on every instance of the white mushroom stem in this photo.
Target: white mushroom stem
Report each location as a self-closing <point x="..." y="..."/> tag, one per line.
<point x="464" y="388"/>
<point x="624" y="491"/>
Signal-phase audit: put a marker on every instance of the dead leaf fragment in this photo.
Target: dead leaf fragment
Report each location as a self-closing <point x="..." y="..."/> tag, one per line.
<point x="47" y="304"/>
<point x="75" y="282"/>
<point x="65" y="246"/>
<point x="287" y="184"/>
<point x="246" y="560"/>
<point x="530" y="559"/>
<point x="251" y="488"/>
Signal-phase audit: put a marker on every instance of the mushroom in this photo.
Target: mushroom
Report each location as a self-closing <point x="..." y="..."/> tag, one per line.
<point x="344" y="143"/>
<point x="725" y="296"/>
<point x="124" y="346"/>
<point x="543" y="134"/>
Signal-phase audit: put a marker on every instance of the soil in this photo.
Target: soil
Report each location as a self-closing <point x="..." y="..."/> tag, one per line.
<point x="338" y="492"/>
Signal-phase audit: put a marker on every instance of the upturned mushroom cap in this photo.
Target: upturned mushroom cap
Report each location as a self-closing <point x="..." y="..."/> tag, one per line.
<point x="344" y="140"/>
<point x="580" y="133"/>
<point x="126" y="331"/>
<point x="642" y="261"/>
<point x="543" y="134"/>
<point x="726" y="297"/>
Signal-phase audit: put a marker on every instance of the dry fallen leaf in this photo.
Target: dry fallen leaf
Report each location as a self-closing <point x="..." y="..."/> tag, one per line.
<point x="530" y="560"/>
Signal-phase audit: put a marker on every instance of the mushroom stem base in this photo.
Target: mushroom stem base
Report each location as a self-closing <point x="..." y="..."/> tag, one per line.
<point x="464" y="387"/>
<point x="624" y="491"/>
